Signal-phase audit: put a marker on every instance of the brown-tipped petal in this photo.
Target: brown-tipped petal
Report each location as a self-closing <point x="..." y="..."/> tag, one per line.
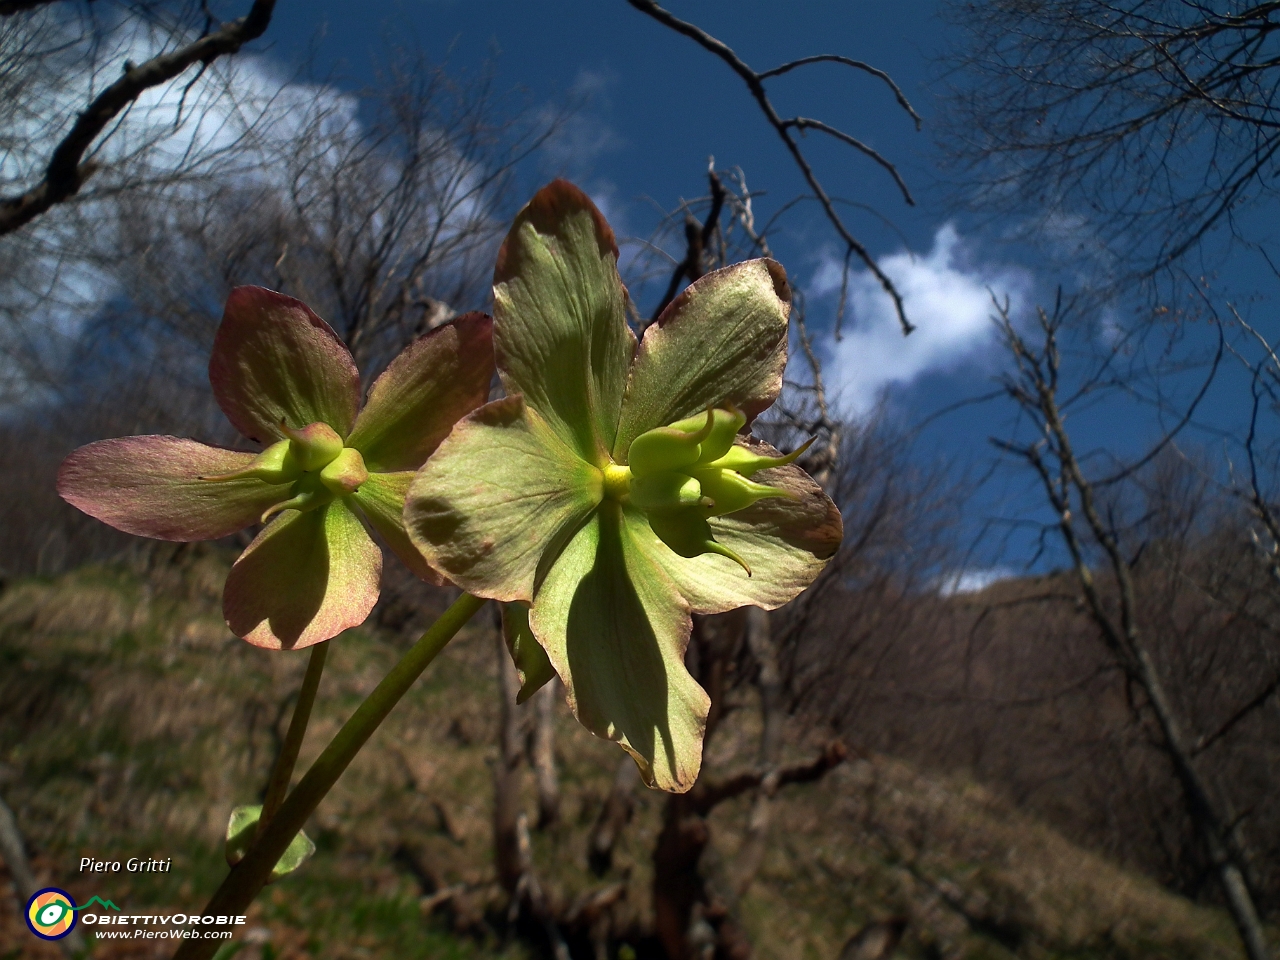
<point x="413" y="405"/>
<point x="275" y="361"/>
<point x="151" y="487"/>
<point x="722" y="342"/>
<point x="560" y="331"/>
<point x="306" y="578"/>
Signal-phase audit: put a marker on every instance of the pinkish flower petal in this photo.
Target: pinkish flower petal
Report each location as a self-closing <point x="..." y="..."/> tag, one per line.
<point x="496" y="502"/>
<point x="150" y="486"/>
<point x="306" y="578"/>
<point x="274" y="360"/>
<point x="423" y="392"/>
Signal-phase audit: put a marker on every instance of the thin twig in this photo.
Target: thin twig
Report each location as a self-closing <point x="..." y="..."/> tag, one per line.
<point x="849" y="62"/>
<point x="66" y="173"/>
<point x="755" y="83"/>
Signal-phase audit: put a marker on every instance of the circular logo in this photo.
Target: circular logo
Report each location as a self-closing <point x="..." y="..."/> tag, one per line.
<point x="51" y="913"/>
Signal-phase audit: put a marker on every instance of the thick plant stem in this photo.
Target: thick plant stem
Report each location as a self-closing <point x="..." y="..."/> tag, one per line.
<point x="283" y="771"/>
<point x="249" y="876"/>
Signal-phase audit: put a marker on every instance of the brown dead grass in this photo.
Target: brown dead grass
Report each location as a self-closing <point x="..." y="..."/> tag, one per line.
<point x="131" y="722"/>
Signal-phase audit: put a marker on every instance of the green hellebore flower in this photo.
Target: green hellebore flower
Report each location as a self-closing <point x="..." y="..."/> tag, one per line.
<point x="602" y="495"/>
<point x="284" y="378"/>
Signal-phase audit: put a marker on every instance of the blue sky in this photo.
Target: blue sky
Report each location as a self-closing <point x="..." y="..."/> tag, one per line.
<point x="655" y="107"/>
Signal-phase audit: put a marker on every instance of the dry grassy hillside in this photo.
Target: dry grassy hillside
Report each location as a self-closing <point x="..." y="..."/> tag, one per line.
<point x="131" y="722"/>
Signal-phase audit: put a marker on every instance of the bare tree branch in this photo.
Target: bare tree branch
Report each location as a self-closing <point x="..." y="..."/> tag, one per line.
<point x="755" y="83"/>
<point x="697" y="241"/>
<point x="65" y="173"/>
<point x="849" y="62"/>
<point x="708" y="797"/>
<point x="1147" y="123"/>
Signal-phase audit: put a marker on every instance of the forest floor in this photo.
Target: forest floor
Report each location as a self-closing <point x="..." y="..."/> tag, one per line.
<point x="131" y="722"/>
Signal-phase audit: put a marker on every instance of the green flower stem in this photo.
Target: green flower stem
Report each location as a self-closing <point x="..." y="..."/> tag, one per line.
<point x="249" y="876"/>
<point x="283" y="771"/>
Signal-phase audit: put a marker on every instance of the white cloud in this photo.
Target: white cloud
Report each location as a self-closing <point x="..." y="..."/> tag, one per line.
<point x="581" y="134"/>
<point x="972" y="580"/>
<point x="948" y="298"/>
<point x="241" y="103"/>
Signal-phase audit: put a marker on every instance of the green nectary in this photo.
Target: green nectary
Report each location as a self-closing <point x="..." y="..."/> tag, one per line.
<point x="682" y="474"/>
<point x="314" y="460"/>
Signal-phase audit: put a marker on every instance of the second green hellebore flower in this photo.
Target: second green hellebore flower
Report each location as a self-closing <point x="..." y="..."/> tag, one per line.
<point x="283" y="378"/>
<point x="610" y="492"/>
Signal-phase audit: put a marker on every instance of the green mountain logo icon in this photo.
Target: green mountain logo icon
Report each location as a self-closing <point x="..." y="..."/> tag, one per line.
<point x="105" y="904"/>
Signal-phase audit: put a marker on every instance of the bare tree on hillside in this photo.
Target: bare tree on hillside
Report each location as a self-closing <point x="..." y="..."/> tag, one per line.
<point x="1112" y="593"/>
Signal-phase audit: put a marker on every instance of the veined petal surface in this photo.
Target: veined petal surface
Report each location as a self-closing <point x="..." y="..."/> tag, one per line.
<point x="150" y="487"/>
<point x="273" y="360"/>
<point x="497" y="499"/>
<point x="722" y="341"/>
<point x="560" y="332"/>
<point x="381" y="499"/>
<point x="306" y="578"/>
<point x="615" y="627"/>
<point x="423" y="392"/>
<point x="785" y="541"/>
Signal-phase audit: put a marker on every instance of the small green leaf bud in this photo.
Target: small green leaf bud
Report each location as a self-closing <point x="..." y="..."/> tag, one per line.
<point x="745" y="462"/>
<point x="657" y="492"/>
<point x="731" y="491"/>
<point x="308" y="493"/>
<point x="344" y="473"/>
<point x="720" y="440"/>
<point x="276" y="464"/>
<point x="689" y="535"/>
<point x="670" y="447"/>
<point x="314" y="446"/>
<point x="242" y="828"/>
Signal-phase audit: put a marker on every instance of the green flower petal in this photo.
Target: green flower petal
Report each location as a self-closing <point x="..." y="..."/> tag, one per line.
<point x="306" y="578"/>
<point x="785" y="542"/>
<point x="560" y="331"/>
<point x="150" y="486"/>
<point x="381" y="498"/>
<point x="722" y="341"/>
<point x="531" y="661"/>
<point x="416" y="401"/>
<point x="615" y="627"/>
<point x="273" y="360"/>
<point x="496" y="500"/>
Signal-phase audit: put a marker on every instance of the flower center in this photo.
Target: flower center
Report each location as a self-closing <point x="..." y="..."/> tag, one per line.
<point x="617" y="482"/>
<point x="312" y="459"/>
<point x="683" y="474"/>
